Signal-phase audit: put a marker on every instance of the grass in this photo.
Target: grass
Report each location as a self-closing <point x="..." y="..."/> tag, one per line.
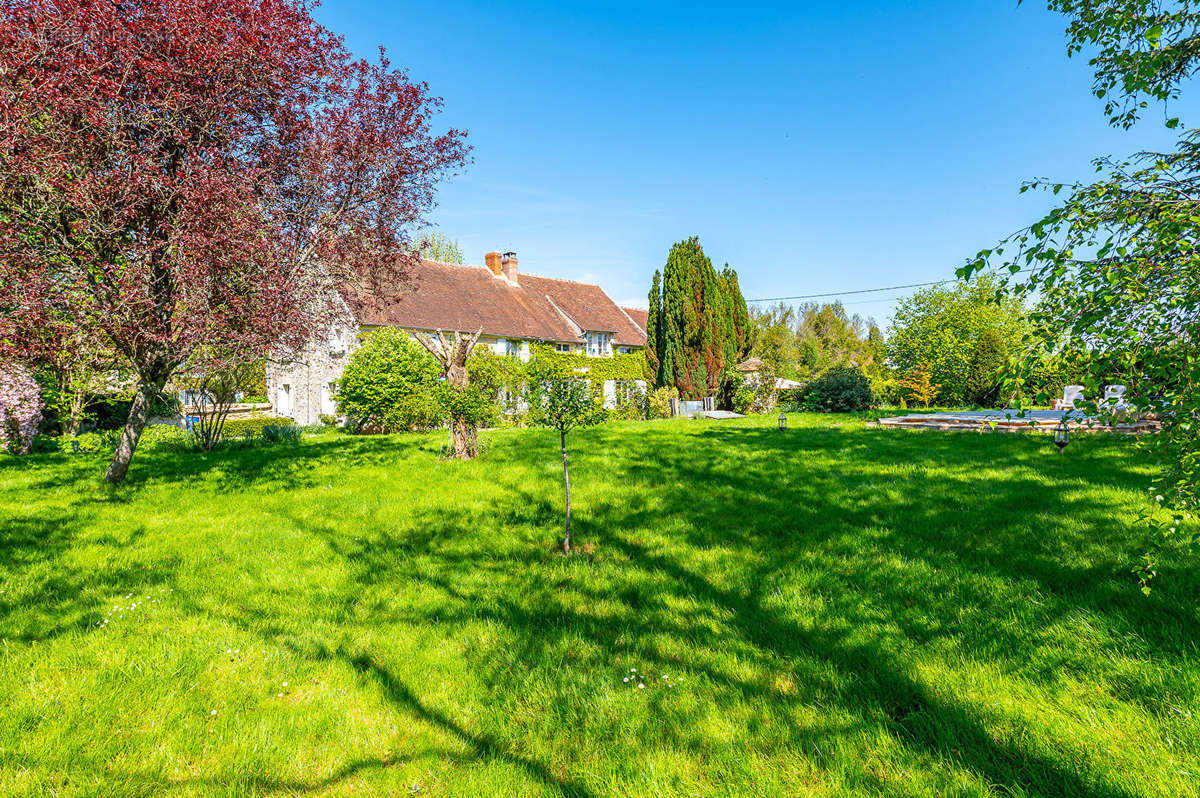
<point x="833" y="610"/>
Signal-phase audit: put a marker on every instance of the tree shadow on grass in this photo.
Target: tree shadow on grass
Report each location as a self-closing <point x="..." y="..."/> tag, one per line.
<point x="881" y="689"/>
<point x="52" y="593"/>
<point x="701" y="560"/>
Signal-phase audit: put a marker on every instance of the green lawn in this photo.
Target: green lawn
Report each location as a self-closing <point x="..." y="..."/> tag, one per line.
<point x="834" y="610"/>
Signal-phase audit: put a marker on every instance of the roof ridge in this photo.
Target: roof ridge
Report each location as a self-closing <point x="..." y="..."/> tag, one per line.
<point x="565" y="280"/>
<point x="629" y="318"/>
<point x="523" y="274"/>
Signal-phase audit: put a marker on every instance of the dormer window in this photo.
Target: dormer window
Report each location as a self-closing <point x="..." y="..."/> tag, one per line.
<point x="337" y="341"/>
<point x="598" y="344"/>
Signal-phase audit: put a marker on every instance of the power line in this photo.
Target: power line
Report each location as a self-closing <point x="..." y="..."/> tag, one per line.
<point x="847" y="293"/>
<point x="859" y="291"/>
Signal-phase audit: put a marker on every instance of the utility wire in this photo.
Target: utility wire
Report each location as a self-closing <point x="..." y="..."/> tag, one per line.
<point x="858" y="291"/>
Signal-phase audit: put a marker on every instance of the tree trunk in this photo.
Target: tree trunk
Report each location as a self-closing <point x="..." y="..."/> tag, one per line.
<point x="466" y="439"/>
<point x="78" y="398"/>
<point x="453" y="357"/>
<point x="139" y="414"/>
<point x="562" y="436"/>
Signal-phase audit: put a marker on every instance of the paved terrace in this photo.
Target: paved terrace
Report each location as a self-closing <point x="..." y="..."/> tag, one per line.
<point x="1012" y="421"/>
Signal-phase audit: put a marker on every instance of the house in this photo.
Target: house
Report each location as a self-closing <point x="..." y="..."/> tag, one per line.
<point x="751" y="369"/>
<point x="515" y="311"/>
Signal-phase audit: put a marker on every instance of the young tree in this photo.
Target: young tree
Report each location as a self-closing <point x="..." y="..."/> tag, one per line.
<point x="920" y="385"/>
<point x="464" y="429"/>
<point x="196" y="173"/>
<point x="216" y="382"/>
<point x="73" y="370"/>
<point x="562" y="401"/>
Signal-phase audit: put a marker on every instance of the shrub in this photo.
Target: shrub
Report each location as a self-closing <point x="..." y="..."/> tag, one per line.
<point x="281" y="433"/>
<point x="164" y="438"/>
<point x="391" y="384"/>
<point x="743" y="399"/>
<point x="633" y="402"/>
<point x="20" y="409"/>
<point x="794" y="398"/>
<point x="254" y="399"/>
<point x="840" y="390"/>
<point x="659" y="402"/>
<point x="328" y="420"/>
<point x="88" y="443"/>
<point x="252" y="427"/>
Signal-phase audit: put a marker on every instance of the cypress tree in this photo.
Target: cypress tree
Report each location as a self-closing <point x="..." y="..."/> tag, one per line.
<point x="700" y="320"/>
<point x="714" y="331"/>
<point x="672" y="369"/>
<point x="654" y="332"/>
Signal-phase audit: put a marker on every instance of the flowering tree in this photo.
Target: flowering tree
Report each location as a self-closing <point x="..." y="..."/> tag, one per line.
<point x="20" y="408"/>
<point x="199" y="174"/>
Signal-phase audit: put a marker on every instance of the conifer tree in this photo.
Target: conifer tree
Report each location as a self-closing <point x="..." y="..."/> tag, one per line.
<point x="699" y="320"/>
<point x="654" y="332"/>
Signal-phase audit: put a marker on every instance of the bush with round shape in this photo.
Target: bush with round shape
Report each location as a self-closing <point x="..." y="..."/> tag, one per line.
<point x="840" y="390"/>
<point x="391" y="385"/>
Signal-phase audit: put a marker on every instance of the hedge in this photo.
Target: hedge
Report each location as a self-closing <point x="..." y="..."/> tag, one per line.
<point x="253" y="426"/>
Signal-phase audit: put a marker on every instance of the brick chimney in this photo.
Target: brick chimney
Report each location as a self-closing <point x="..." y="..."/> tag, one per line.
<point x="509" y="264"/>
<point x="492" y="259"/>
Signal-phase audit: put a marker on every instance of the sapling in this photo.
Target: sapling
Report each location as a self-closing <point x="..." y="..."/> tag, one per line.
<point x="562" y="401"/>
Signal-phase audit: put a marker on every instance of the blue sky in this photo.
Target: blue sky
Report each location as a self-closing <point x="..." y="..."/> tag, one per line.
<point x="814" y="146"/>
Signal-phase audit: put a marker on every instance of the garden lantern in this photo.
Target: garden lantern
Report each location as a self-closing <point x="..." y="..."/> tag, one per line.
<point x="1062" y="436"/>
<point x="782" y="422"/>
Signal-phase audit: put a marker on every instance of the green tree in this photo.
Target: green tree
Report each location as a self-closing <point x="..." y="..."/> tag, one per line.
<point x="435" y="245"/>
<point x="654" y="332"/>
<point x="561" y="400"/>
<point x="700" y="320"/>
<point x="739" y="318"/>
<point x="1132" y="303"/>
<point x="938" y="327"/>
<point x="775" y="340"/>
<point x="986" y="370"/>
<point x="390" y="384"/>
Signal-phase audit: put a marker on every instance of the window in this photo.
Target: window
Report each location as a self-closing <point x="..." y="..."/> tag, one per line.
<point x="512" y="348"/>
<point x="562" y="347"/>
<point x="598" y="344"/>
<point x="337" y="341"/>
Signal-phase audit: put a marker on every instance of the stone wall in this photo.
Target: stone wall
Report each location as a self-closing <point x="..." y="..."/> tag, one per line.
<point x="304" y="384"/>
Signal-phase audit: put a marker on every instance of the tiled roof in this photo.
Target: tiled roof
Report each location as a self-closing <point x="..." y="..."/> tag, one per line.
<point x="639" y="316"/>
<point x="751" y="365"/>
<point x="446" y="296"/>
